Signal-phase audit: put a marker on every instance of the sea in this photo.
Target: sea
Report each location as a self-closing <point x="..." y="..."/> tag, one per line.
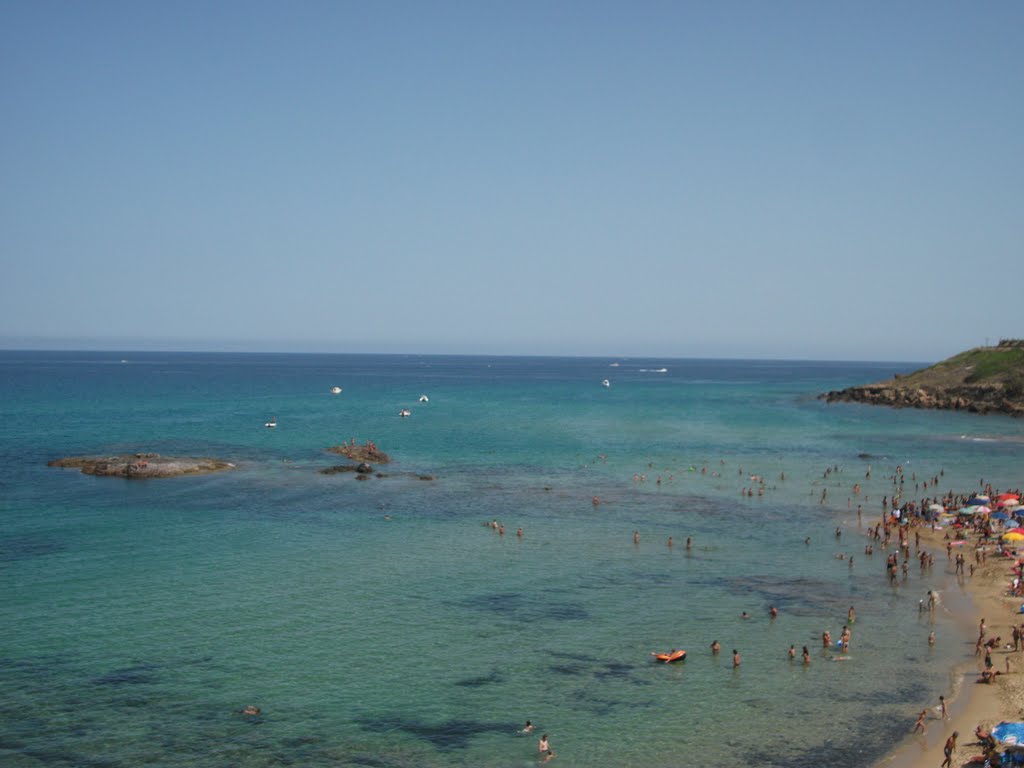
<point x="382" y="620"/>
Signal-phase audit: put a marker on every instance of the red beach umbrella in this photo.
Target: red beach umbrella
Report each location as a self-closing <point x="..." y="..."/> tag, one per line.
<point x="1004" y="496"/>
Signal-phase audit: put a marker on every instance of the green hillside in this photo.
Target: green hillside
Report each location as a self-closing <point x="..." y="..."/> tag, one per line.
<point x="980" y="380"/>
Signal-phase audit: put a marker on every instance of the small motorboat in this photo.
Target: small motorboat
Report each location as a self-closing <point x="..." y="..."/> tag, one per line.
<point x="424" y="399"/>
<point x="272" y="423"/>
<point x="669" y="657"/>
<point x="606" y="383"/>
<point x="335" y="390"/>
<point x="405" y="412"/>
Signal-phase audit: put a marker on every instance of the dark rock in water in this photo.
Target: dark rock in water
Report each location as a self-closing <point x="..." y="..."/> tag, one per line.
<point x="337" y="468"/>
<point x="362" y="477"/>
<point x="141" y="465"/>
<point x="364" y="469"/>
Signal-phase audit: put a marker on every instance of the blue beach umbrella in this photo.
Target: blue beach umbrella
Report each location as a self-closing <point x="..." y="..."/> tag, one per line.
<point x="977" y="500"/>
<point x="999" y="516"/>
<point x="1009" y="733"/>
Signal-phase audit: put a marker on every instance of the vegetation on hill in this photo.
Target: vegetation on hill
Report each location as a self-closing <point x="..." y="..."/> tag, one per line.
<point x="981" y="380"/>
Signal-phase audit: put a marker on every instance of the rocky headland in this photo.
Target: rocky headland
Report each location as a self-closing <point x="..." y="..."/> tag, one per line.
<point x="141" y="465"/>
<point x="981" y="380"/>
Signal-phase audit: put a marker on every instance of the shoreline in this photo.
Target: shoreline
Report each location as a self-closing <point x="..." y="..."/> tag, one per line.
<point x="970" y="703"/>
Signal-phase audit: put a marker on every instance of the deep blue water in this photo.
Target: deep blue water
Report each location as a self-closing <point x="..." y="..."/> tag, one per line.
<point x="381" y="623"/>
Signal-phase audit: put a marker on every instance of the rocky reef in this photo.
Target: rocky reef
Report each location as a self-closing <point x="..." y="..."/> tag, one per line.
<point x="367" y="453"/>
<point x="981" y="380"/>
<point x="141" y="465"/>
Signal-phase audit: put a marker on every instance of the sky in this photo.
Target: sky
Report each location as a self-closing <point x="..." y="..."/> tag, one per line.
<point x="791" y="180"/>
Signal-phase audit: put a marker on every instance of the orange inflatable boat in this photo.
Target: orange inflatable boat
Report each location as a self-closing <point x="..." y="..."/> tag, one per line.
<point x="668" y="658"/>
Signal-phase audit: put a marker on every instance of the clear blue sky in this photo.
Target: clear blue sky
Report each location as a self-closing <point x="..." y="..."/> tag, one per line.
<point x="840" y="180"/>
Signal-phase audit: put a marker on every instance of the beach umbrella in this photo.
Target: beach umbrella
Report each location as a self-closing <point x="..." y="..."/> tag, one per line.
<point x="967" y="511"/>
<point x="1013" y="536"/>
<point x="1013" y="501"/>
<point x="975" y="500"/>
<point x="1016" y="530"/>
<point x="999" y="516"/>
<point x="936" y="508"/>
<point x="983" y="510"/>
<point x="1004" y="496"/>
<point x="1009" y="733"/>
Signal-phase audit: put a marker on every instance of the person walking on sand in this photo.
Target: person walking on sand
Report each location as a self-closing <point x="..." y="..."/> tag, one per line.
<point x="948" y="749"/>
<point x="942" y="708"/>
<point x="919" y="725"/>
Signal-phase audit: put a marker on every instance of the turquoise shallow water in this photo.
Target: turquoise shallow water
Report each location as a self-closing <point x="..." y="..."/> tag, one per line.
<point x="381" y="623"/>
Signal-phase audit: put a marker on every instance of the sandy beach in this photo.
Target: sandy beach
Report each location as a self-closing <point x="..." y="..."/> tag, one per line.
<point x="970" y="703"/>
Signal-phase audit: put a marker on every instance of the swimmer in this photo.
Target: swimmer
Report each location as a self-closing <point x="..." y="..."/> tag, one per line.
<point x="252" y="710"/>
<point x="528" y="728"/>
<point x="773" y="611"/>
<point x="806" y="656"/>
<point x="636" y="537"/>
<point x="543" y="747"/>
<point x="736" y="659"/>
<point x="715" y="647"/>
<point x="792" y="652"/>
<point x="744" y="615"/>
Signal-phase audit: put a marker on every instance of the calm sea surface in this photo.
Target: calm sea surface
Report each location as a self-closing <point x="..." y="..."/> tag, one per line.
<point x="381" y="623"/>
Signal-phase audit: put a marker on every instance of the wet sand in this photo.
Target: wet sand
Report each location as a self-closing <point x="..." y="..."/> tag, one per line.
<point x="970" y="703"/>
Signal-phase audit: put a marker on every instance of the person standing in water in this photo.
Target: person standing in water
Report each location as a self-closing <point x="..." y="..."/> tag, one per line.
<point x="919" y="725"/>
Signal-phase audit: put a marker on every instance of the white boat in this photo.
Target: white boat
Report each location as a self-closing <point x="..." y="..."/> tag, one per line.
<point x="606" y="383"/>
<point x="335" y="390"/>
<point x="424" y="399"/>
<point x="272" y="423"/>
<point x="405" y="412"/>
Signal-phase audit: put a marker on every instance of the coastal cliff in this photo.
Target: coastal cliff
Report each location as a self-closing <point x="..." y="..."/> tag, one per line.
<point x="981" y="380"/>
